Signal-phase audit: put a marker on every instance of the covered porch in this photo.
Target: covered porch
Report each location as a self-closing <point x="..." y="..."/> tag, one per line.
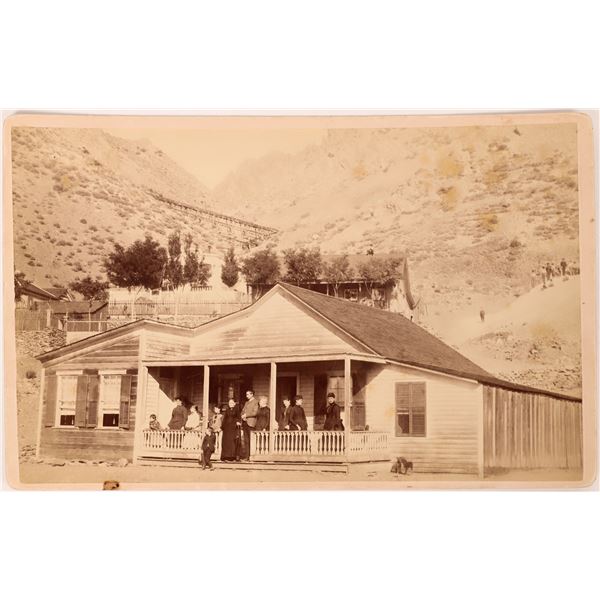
<point x="214" y="383"/>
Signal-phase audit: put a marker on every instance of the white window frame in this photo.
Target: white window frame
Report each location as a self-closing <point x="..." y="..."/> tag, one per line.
<point x="59" y="389"/>
<point x="103" y="373"/>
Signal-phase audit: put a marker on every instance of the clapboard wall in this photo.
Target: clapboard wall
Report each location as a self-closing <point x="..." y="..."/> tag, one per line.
<point x="527" y="430"/>
<point x="451" y="442"/>
<point x="88" y="441"/>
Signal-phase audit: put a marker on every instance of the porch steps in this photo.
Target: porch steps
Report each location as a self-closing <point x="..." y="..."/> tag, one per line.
<point x="323" y="467"/>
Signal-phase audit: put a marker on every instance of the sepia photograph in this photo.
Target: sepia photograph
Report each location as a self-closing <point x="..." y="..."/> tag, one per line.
<point x="371" y="302"/>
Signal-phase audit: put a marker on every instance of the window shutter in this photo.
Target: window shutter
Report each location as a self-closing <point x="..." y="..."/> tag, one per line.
<point x="417" y="400"/>
<point x="125" y="399"/>
<point x="81" y="401"/>
<point x="50" y="400"/>
<point x="402" y="403"/>
<point x="92" y="401"/>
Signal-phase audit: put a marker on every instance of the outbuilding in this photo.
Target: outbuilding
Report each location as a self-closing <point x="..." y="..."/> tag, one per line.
<point x="401" y="391"/>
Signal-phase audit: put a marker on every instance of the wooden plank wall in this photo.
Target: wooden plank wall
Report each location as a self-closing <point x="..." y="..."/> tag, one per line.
<point x="451" y="441"/>
<point x="73" y="443"/>
<point x="122" y="354"/>
<point x="87" y="444"/>
<point x="159" y="347"/>
<point x="528" y="431"/>
<point x="280" y="328"/>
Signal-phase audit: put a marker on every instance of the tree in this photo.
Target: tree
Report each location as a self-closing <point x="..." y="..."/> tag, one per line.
<point x="195" y="271"/>
<point x="141" y="265"/>
<point x="379" y="271"/>
<point x="302" y="264"/>
<point x="230" y="270"/>
<point x="91" y="289"/>
<point x="174" y="269"/>
<point x="261" y="268"/>
<point x="337" y="270"/>
<point x="20" y="281"/>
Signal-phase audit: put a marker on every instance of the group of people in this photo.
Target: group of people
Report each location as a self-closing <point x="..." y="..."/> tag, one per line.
<point x="545" y="273"/>
<point x="236" y="423"/>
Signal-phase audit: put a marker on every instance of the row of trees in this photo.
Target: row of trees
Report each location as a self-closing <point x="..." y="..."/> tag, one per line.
<point x="147" y="265"/>
<point x="305" y="265"/>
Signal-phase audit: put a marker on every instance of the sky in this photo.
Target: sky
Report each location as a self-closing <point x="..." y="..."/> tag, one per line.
<point x="211" y="154"/>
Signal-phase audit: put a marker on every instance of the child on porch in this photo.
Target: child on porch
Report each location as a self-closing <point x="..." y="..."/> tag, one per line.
<point x="154" y="425"/>
<point x="208" y="447"/>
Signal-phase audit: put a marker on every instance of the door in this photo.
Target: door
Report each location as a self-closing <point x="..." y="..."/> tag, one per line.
<point x="286" y="388"/>
<point x="320" y="390"/>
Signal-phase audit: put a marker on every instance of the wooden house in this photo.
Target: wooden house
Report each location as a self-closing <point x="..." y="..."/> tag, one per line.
<point x="394" y="295"/>
<point x="403" y="392"/>
<point x="32" y="296"/>
<point x="62" y="293"/>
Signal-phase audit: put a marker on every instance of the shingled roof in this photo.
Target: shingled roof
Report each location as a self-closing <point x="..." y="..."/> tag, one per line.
<point x="396" y="338"/>
<point x="390" y="335"/>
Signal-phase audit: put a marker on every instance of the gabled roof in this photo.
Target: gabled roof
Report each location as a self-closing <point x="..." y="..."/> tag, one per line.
<point x="62" y="293"/>
<point x="390" y="335"/>
<point x="30" y="289"/>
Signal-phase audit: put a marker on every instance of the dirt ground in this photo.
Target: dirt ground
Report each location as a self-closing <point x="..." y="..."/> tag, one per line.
<point x="180" y="477"/>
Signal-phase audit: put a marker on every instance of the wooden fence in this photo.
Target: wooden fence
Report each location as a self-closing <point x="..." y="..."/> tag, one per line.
<point x="524" y="430"/>
<point x="27" y="319"/>
<point x="172" y="309"/>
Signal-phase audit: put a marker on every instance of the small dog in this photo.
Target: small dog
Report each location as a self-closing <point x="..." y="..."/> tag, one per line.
<point x="401" y="466"/>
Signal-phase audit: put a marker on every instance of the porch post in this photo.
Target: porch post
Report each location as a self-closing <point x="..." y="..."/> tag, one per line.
<point x="347" y="403"/>
<point x="272" y="404"/>
<point x="205" y="391"/>
<point x="140" y="412"/>
<point x="347" y="393"/>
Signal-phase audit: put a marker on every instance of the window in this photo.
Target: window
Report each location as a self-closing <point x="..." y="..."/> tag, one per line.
<point x="410" y="409"/>
<point x="110" y="400"/>
<point x="67" y="400"/>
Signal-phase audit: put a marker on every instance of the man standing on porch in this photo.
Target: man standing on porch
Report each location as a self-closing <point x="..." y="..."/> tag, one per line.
<point x="297" y="415"/>
<point x="249" y="413"/>
<point x="332" y="418"/>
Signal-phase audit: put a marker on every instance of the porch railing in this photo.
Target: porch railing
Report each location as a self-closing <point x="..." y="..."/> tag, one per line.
<point x="302" y="446"/>
<point x="298" y="444"/>
<point x="172" y="443"/>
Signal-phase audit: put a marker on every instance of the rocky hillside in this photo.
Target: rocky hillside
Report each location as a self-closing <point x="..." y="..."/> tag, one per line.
<point x="476" y="209"/>
<point x="453" y="198"/>
<point x="77" y="191"/>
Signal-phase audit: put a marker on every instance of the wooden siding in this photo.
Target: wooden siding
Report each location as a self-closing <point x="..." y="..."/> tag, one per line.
<point x="525" y="430"/>
<point x="159" y="346"/>
<point x="89" y="443"/>
<point x="86" y="444"/>
<point x="279" y="328"/>
<point x="452" y="409"/>
<point x="121" y="354"/>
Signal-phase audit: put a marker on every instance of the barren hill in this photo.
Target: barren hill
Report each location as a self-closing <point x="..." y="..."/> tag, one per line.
<point x="77" y="191"/>
<point x="474" y="208"/>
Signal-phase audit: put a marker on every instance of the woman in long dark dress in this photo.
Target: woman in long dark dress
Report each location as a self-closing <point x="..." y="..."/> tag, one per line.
<point x="263" y="416"/>
<point x="231" y="426"/>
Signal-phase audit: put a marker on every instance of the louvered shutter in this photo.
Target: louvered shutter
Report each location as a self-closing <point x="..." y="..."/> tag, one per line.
<point x="402" y="405"/>
<point x="417" y="408"/>
<point x="81" y="401"/>
<point x="92" y="401"/>
<point x="50" y="385"/>
<point x="124" y="408"/>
